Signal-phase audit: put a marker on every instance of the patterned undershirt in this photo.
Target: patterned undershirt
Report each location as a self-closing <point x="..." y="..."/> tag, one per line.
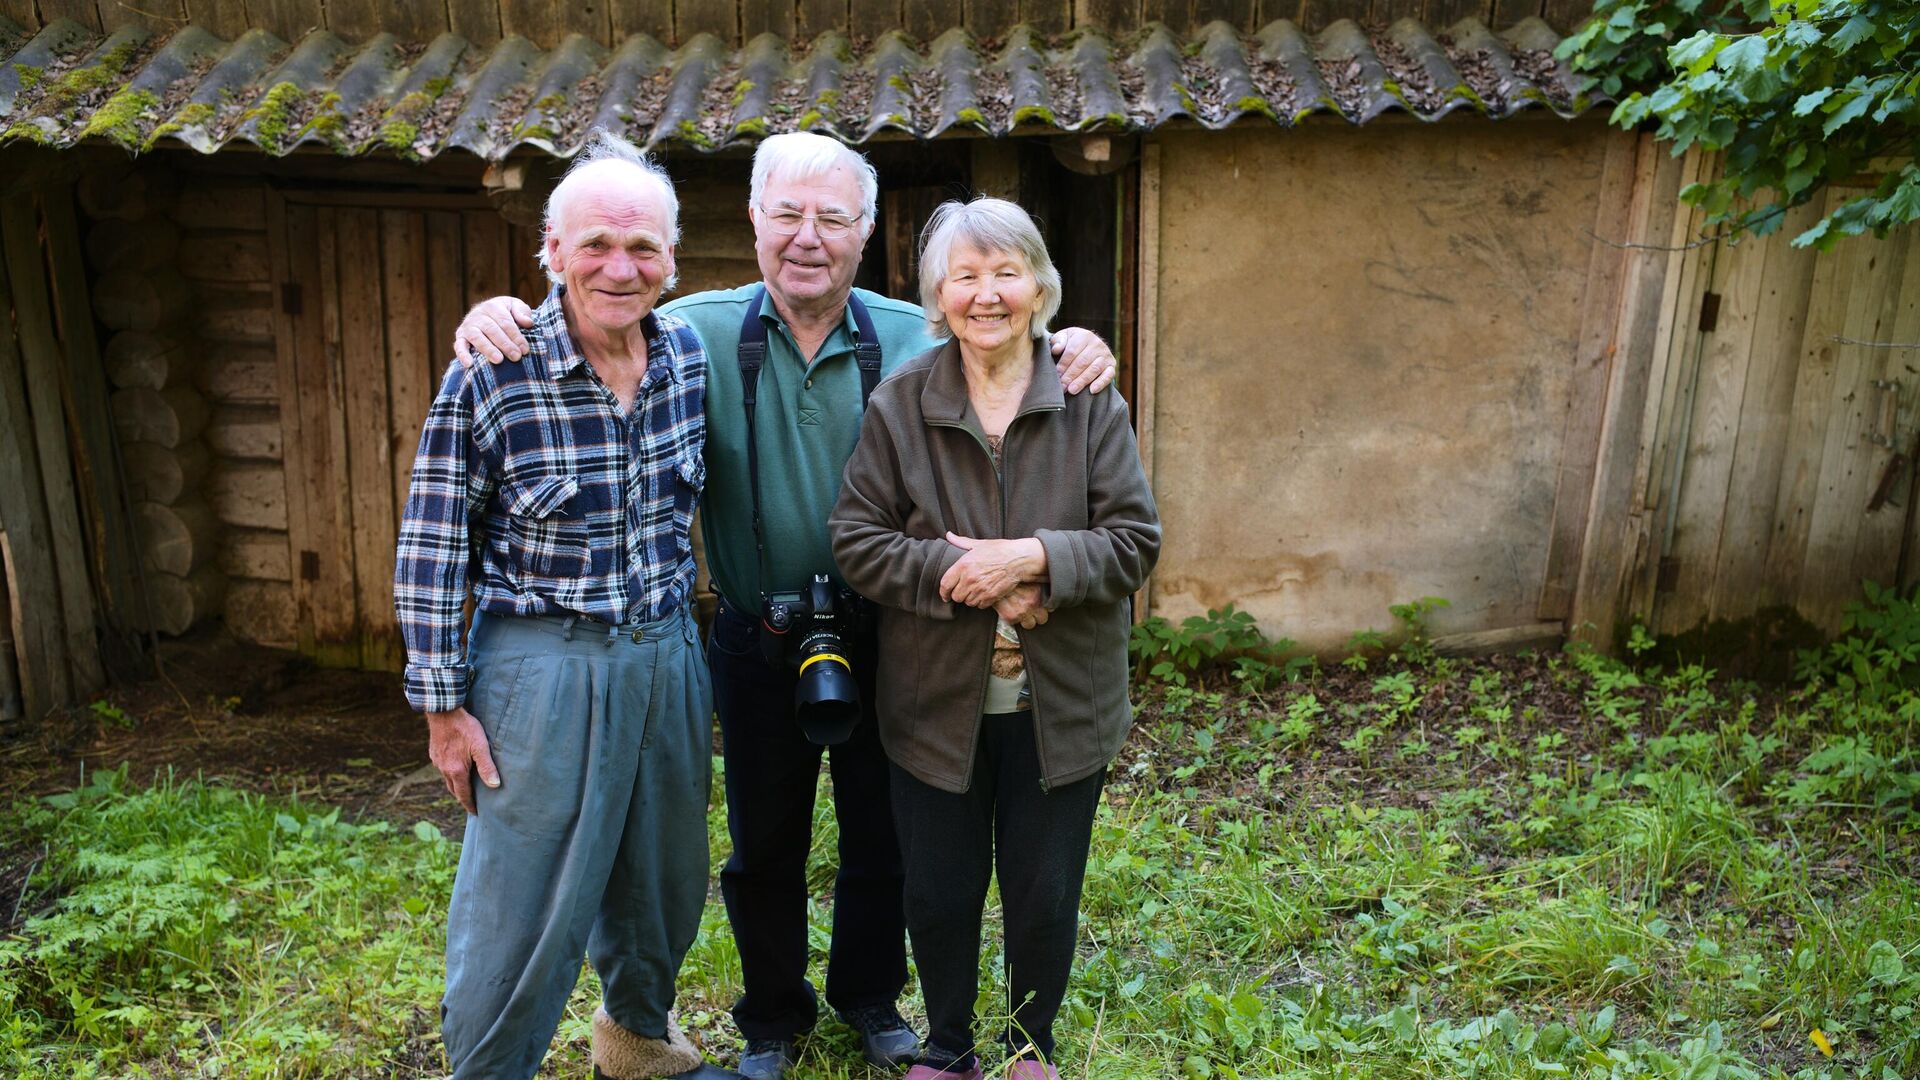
<point x="1008" y="667"/>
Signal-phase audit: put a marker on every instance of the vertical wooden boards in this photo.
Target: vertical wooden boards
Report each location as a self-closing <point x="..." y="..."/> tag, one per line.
<point x="364" y="351"/>
<point x="224" y="19"/>
<point x="161" y="15"/>
<point x="84" y="387"/>
<point x="476" y="20"/>
<point x="988" y="18"/>
<point x="653" y="18"/>
<point x="1052" y="16"/>
<point x="1238" y="14"/>
<point x="869" y="17"/>
<point x="529" y="280"/>
<point x="84" y="12"/>
<point x="692" y="17"/>
<point x="488" y="270"/>
<point x="26" y="546"/>
<point x="41" y="361"/>
<point x="1676" y="347"/>
<point x="777" y="17"/>
<point x="1707" y="450"/>
<point x="1760" y="442"/>
<point x="1148" y="322"/>
<point x="446" y="295"/>
<point x="545" y="23"/>
<point x="357" y="21"/>
<point x="1592" y="364"/>
<point x="928" y="19"/>
<point x="1615" y="518"/>
<point x="1566" y="16"/>
<point x="1119" y="18"/>
<point x="1891" y="401"/>
<point x="1851" y="462"/>
<point x="1442" y="14"/>
<point x="313" y="440"/>
<point x="407" y="277"/>
<point x="812" y="18"/>
<point x="289" y="20"/>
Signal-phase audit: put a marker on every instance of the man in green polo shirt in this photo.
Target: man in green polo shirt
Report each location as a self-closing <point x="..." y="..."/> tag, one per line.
<point x="813" y="204"/>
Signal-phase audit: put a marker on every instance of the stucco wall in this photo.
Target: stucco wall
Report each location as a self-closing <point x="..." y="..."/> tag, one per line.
<point x="1366" y="340"/>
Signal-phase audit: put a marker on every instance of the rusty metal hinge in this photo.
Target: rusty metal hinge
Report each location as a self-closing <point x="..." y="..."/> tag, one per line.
<point x="1668" y="578"/>
<point x="1709" y="312"/>
<point x="309" y="566"/>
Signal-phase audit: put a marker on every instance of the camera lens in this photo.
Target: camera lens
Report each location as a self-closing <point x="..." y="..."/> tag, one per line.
<point x="826" y="700"/>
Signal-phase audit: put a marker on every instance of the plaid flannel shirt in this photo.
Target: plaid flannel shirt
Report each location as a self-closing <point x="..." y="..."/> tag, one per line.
<point x="531" y="486"/>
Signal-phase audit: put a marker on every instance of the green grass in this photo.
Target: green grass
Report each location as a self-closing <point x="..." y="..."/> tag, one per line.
<point x="1548" y="867"/>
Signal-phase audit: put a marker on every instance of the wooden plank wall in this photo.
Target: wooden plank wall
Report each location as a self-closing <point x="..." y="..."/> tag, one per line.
<point x="65" y="543"/>
<point x="1781" y="418"/>
<point x="547" y="22"/>
<point x="316" y="412"/>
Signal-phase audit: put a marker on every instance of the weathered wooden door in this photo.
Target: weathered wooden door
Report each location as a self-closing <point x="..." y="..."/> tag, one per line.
<point x="1781" y="468"/>
<point x="372" y="286"/>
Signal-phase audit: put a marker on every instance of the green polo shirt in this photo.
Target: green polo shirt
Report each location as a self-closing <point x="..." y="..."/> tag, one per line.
<point x="808" y="420"/>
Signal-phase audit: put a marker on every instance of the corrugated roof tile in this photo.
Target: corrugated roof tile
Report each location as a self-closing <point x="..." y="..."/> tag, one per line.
<point x="64" y="84"/>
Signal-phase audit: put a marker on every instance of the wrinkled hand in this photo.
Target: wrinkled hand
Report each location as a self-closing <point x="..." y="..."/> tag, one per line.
<point x="1085" y="362"/>
<point x="492" y="329"/>
<point x="458" y="746"/>
<point x="1022" y="607"/>
<point x="990" y="569"/>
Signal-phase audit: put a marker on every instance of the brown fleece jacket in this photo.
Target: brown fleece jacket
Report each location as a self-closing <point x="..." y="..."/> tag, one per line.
<point x="1071" y="477"/>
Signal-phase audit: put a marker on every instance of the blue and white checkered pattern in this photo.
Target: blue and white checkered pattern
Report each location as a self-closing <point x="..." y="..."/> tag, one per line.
<point x="533" y="487"/>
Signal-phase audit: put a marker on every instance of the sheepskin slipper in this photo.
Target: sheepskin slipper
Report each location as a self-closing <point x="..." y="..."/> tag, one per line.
<point x="619" y="1054"/>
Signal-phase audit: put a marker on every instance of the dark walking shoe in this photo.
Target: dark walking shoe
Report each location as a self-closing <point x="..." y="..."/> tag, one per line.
<point x="768" y="1059"/>
<point x="885" y="1038"/>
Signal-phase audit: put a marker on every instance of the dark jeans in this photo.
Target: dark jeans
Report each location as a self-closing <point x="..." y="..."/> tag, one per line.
<point x="952" y="844"/>
<point x="772" y="771"/>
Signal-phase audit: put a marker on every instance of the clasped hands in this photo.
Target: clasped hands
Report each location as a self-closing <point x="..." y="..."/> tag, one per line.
<point x="1004" y="575"/>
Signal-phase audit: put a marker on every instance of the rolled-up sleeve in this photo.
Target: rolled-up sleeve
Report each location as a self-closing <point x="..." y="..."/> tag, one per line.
<point x="876" y="557"/>
<point x="1112" y="557"/>
<point x="450" y="487"/>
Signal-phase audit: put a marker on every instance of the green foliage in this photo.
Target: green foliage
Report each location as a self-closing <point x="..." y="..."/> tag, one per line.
<point x="1203" y="647"/>
<point x="201" y="923"/>
<point x="1799" y="94"/>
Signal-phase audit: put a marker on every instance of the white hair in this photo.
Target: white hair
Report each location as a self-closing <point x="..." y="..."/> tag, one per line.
<point x="803" y="155"/>
<point x="604" y="147"/>
<point x="990" y="225"/>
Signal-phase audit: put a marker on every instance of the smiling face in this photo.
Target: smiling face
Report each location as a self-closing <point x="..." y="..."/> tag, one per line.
<point x="988" y="297"/>
<point x="612" y="248"/>
<point x="807" y="271"/>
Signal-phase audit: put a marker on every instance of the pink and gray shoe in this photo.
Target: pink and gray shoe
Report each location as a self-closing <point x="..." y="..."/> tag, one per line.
<point x="952" y="1072"/>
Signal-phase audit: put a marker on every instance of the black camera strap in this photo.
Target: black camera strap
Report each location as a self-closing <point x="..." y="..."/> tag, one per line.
<point x="753" y="356"/>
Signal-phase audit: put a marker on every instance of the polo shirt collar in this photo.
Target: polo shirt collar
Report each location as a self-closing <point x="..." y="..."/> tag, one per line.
<point x="840" y="340"/>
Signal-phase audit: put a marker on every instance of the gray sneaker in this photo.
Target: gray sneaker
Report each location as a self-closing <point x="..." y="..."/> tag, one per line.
<point x="885" y="1038"/>
<point x="768" y="1059"/>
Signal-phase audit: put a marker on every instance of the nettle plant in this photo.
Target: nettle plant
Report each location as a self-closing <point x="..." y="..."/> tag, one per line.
<point x="1799" y="94"/>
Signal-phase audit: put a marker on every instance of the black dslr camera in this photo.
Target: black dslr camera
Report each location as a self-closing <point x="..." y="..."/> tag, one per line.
<point x="810" y="631"/>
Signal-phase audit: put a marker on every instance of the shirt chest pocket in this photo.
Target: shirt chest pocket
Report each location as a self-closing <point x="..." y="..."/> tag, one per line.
<point x="546" y="529"/>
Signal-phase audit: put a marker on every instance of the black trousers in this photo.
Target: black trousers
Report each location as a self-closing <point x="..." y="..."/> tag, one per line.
<point x="772" y="771"/>
<point x="952" y="843"/>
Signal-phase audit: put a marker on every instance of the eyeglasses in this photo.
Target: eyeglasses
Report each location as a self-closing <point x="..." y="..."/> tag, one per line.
<point x="829" y="226"/>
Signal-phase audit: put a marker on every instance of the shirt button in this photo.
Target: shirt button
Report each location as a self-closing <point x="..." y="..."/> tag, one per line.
<point x="809" y="384"/>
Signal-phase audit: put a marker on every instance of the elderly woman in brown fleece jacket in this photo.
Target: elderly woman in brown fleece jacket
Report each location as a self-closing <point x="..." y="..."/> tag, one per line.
<point x="1002" y="526"/>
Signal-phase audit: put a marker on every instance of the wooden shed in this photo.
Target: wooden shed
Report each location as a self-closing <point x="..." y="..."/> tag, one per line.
<point x="1399" y="314"/>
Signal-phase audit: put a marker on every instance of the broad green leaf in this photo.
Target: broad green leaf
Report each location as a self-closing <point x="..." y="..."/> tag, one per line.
<point x="1696" y="54"/>
<point x="1856" y="30"/>
<point x="1809" y="102"/>
<point x="1851" y="110"/>
<point x="1884" y="965"/>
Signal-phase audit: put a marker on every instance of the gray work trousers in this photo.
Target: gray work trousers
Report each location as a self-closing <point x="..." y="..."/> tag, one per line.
<point x="594" y="843"/>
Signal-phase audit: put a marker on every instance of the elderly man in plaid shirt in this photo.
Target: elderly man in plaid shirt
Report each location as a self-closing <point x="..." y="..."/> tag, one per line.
<point x="562" y="491"/>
